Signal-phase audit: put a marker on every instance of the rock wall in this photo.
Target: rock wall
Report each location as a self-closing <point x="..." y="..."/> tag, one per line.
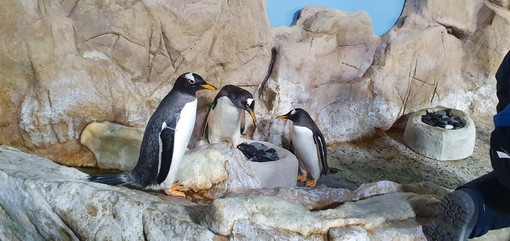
<point x="354" y="83"/>
<point x="64" y="64"/>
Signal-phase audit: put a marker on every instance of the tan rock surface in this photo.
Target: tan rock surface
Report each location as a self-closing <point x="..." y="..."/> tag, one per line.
<point x="67" y="63"/>
<point x="318" y="67"/>
<point x="434" y="55"/>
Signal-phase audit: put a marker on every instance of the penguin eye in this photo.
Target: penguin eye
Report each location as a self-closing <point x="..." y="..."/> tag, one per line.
<point x="191" y="78"/>
<point x="249" y="101"/>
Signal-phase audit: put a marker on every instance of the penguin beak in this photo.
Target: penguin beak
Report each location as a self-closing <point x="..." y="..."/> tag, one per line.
<point x="208" y="86"/>
<point x="252" y="116"/>
<point x="282" y="117"/>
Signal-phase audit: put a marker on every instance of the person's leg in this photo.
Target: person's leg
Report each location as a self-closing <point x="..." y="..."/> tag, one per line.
<point x="458" y="213"/>
<point x="493" y="203"/>
<point x="471" y="210"/>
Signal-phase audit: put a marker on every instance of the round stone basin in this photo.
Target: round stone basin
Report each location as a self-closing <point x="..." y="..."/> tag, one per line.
<point x="440" y="143"/>
<point x="279" y="173"/>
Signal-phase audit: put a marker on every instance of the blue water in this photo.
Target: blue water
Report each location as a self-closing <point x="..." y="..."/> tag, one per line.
<point x="384" y="13"/>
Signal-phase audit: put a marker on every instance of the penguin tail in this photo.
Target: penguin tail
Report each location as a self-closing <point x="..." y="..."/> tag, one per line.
<point x="113" y="179"/>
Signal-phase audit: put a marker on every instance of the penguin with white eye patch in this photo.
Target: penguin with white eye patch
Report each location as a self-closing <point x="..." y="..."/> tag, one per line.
<point x="308" y="145"/>
<point x="225" y="121"/>
<point x="165" y="139"/>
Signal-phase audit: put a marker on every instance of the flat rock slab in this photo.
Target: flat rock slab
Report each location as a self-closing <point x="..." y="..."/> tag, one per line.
<point x="57" y="202"/>
<point x="53" y="201"/>
<point x="46" y="201"/>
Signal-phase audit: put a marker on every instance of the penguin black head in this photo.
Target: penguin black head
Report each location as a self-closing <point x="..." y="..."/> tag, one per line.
<point x="240" y="97"/>
<point x="298" y="116"/>
<point x="190" y="83"/>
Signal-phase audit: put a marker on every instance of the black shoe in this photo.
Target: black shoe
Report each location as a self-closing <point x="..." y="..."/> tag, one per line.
<point x="456" y="220"/>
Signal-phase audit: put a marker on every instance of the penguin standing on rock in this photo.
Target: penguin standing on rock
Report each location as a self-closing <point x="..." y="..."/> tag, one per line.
<point x="308" y="145"/>
<point x="225" y="121"/>
<point x="165" y="139"/>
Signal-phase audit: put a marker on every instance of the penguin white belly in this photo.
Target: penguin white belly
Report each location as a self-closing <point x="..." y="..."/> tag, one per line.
<point x="305" y="150"/>
<point x="183" y="132"/>
<point x="224" y="122"/>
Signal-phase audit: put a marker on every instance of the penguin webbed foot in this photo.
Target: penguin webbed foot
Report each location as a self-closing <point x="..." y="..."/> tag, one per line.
<point x="203" y="195"/>
<point x="233" y="145"/>
<point x="311" y="183"/>
<point x="177" y="190"/>
<point x="302" y="177"/>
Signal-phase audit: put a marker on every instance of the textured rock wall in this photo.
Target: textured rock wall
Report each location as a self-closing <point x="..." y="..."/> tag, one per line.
<point x="436" y="54"/>
<point x="64" y="64"/>
<point x="67" y="63"/>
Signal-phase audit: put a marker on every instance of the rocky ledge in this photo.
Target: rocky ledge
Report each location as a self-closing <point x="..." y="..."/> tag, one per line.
<point x="43" y="200"/>
<point x="46" y="201"/>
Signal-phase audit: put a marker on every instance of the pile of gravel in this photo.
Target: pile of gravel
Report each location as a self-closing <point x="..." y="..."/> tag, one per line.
<point x="258" y="152"/>
<point x="444" y="119"/>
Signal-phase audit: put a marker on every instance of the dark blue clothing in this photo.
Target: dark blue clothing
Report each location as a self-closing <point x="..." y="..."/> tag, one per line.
<point x="491" y="192"/>
<point x="502" y="118"/>
<point x="492" y="201"/>
<point x="503" y="83"/>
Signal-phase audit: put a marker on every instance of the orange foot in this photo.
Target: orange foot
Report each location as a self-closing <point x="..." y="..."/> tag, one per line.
<point x="302" y="177"/>
<point x="233" y="145"/>
<point x="176" y="190"/>
<point x="203" y="194"/>
<point x="311" y="183"/>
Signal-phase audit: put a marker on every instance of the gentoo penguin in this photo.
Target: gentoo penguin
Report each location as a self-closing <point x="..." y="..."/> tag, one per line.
<point x="165" y="139"/>
<point x="308" y="145"/>
<point x="225" y="121"/>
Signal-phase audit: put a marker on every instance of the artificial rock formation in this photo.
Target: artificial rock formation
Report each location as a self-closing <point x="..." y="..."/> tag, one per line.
<point x="210" y="169"/>
<point x="436" y="54"/>
<point x="52" y="201"/>
<point x="440" y="143"/>
<point x="318" y="66"/>
<point x="68" y="63"/>
<point x="115" y="147"/>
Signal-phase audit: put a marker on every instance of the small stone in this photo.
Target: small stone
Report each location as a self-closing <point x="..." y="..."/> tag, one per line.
<point x="258" y="152"/>
<point x="448" y="127"/>
<point x="441" y="112"/>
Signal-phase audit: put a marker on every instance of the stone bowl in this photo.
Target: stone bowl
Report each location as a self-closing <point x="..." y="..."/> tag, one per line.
<point x="279" y="173"/>
<point x="214" y="170"/>
<point x="439" y="143"/>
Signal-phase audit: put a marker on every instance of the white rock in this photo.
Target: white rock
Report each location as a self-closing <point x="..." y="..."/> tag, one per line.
<point x="440" y="143"/>
<point x="280" y="173"/>
<point x="56" y="202"/>
<point x="354" y="233"/>
<point x="114" y="146"/>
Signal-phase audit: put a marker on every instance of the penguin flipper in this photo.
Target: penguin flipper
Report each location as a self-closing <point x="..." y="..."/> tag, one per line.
<point x="320" y="144"/>
<point x="166" y="137"/>
<point x="113" y="179"/>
